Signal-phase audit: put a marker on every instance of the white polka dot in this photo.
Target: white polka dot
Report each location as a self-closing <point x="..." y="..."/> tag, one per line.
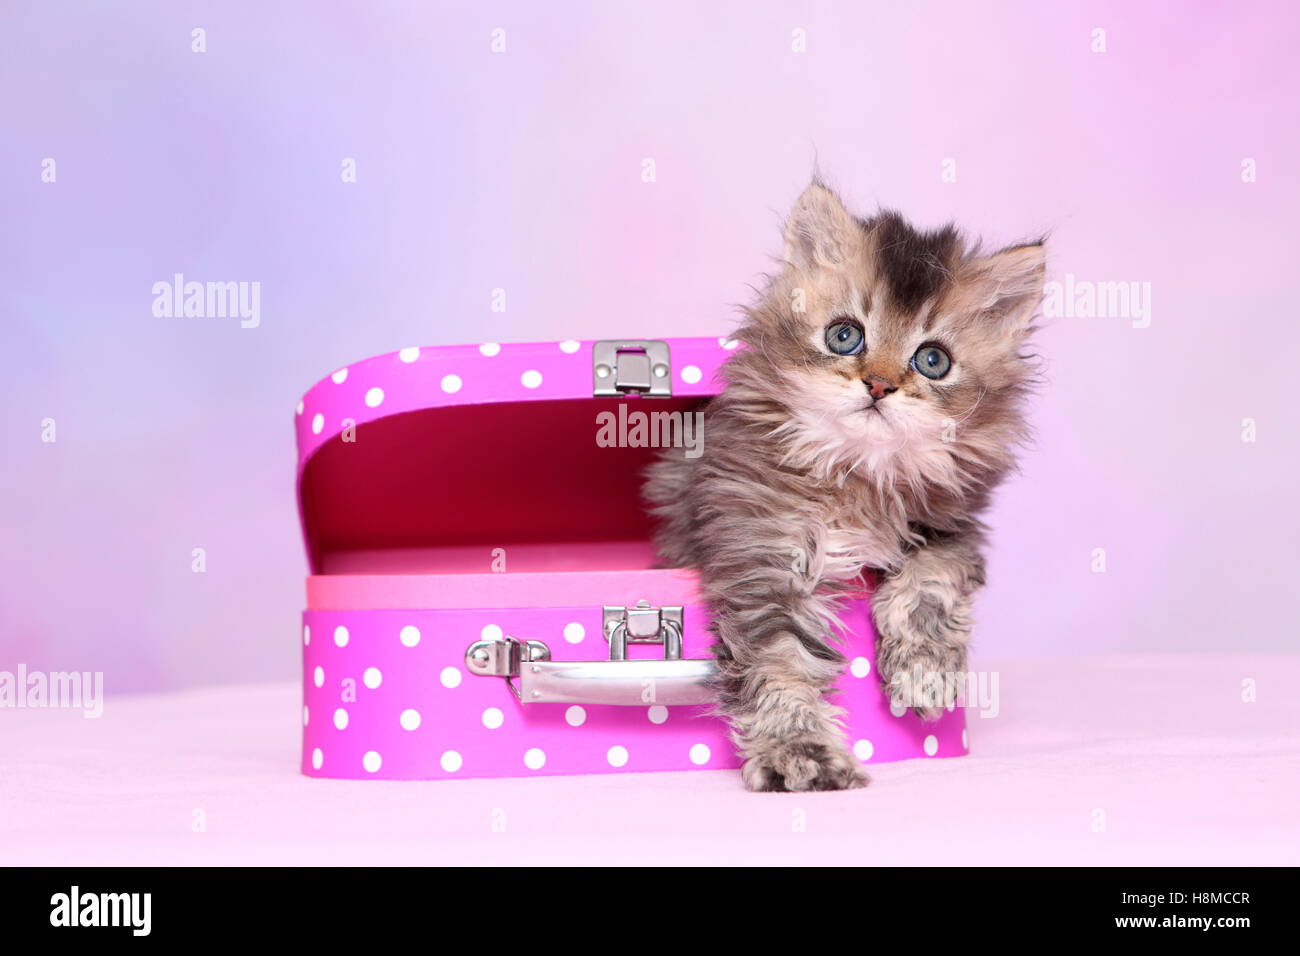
<point x="372" y="678"/>
<point x="306" y="635"/>
<point x="341" y="719"/>
<point x="489" y="349"/>
<point x="897" y="708"/>
<point x="410" y="635"/>
<point x="657" y="714"/>
<point x="450" y="677"/>
<point x="451" y="384"/>
<point x="305" y="716"/>
<point x="700" y="754"/>
<point x="493" y="718"/>
<point x="534" y="759"/>
<point x="341" y="636"/>
<point x="575" y="716"/>
<point x="931" y="745"/>
<point x="409" y="719"/>
<point x="863" y="750"/>
<point x="409" y="354"/>
<point x="570" y="346"/>
<point x="728" y="343"/>
<point x="300" y="407"/>
<point x="374" y="397"/>
<point x="317" y="758"/>
<point x="951" y="705"/>
<point x="491" y="632"/>
<point x="317" y="423"/>
<point x="319" y="676"/>
<point x="531" y="379"/>
<point x="340" y="376"/>
<point x="574" y="633"/>
<point x="617" y="756"/>
<point x="451" y="761"/>
<point x="372" y="761"/>
<point x="691" y="374"/>
<point x="965" y="741"/>
<point x="860" y="667"/>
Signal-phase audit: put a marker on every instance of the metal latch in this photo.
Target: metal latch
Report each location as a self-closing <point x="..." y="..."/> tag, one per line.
<point x="619" y="681"/>
<point x="643" y="624"/>
<point x="631" y="367"/>
<point x="503" y="658"/>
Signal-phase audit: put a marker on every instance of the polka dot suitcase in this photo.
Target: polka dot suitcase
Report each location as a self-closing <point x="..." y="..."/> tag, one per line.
<point x="483" y="600"/>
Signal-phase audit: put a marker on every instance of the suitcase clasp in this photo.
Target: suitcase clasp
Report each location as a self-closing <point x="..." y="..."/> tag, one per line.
<point x="631" y="367"/>
<point x="643" y="624"/>
<point x="504" y="657"/>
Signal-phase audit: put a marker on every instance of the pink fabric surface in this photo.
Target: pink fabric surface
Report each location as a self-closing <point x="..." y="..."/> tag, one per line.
<point x="1184" y="770"/>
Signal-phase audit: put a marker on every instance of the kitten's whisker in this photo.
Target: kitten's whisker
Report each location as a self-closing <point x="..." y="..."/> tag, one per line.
<point x="979" y="398"/>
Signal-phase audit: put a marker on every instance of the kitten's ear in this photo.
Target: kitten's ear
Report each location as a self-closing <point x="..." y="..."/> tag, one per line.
<point x="1007" y="285"/>
<point x="820" y="231"/>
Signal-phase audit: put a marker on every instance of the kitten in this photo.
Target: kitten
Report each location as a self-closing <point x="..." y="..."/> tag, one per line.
<point x="875" y="405"/>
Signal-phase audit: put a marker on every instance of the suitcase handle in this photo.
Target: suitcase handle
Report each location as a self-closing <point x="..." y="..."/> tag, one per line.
<point x="625" y="683"/>
<point x="672" y="680"/>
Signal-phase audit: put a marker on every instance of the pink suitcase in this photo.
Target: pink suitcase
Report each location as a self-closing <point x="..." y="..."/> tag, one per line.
<point x="483" y="600"/>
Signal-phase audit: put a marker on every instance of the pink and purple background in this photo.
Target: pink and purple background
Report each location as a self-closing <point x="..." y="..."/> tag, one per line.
<point x="1122" y="692"/>
<point x="522" y="171"/>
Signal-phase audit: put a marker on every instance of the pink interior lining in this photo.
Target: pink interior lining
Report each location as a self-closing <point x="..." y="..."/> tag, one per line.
<point x="447" y="486"/>
<point x="502" y="558"/>
<point x="501" y="505"/>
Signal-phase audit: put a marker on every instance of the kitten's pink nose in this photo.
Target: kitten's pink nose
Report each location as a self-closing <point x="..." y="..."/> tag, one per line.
<point x="878" y="387"/>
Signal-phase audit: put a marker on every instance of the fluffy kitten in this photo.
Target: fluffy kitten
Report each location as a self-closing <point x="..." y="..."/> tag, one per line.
<point x="865" y="422"/>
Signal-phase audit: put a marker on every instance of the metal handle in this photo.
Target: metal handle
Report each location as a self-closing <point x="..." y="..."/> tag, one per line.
<point x="624" y="683"/>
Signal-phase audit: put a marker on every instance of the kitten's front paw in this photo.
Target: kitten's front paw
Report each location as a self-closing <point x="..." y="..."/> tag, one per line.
<point x="927" y="678"/>
<point x="803" y="763"/>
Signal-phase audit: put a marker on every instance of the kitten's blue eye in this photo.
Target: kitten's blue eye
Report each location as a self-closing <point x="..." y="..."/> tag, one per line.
<point x="931" y="361"/>
<point x="845" y="337"/>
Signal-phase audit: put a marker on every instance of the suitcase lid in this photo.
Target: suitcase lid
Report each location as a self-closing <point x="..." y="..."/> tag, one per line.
<point x="447" y="450"/>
